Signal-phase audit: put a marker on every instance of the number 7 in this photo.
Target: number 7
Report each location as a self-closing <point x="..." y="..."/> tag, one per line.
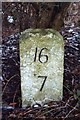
<point x="45" y="77"/>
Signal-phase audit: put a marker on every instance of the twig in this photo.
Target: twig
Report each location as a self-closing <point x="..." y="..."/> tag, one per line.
<point x="15" y="93"/>
<point x="51" y="111"/>
<point x="72" y="92"/>
<point x="71" y="111"/>
<point x="67" y="103"/>
<point x="9" y="81"/>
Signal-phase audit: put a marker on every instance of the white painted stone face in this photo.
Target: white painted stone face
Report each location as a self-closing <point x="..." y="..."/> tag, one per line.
<point x="41" y="65"/>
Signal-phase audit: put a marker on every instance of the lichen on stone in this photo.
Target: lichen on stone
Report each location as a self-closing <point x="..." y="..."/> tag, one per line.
<point x="49" y="62"/>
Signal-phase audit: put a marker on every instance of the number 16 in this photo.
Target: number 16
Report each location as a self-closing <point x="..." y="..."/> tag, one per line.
<point x="40" y="55"/>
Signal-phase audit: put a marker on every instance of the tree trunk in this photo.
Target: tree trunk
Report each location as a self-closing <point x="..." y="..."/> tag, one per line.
<point x="33" y="15"/>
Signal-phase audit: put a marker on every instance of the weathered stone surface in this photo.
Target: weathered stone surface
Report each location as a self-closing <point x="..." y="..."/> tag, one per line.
<point x="41" y="64"/>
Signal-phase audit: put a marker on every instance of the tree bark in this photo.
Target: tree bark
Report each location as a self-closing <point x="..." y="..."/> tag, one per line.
<point x="33" y="15"/>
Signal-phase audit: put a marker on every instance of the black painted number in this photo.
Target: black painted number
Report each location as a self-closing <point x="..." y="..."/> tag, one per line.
<point x="45" y="77"/>
<point x="41" y="55"/>
<point x="40" y="60"/>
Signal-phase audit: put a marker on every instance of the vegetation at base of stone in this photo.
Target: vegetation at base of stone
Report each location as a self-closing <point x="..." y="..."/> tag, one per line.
<point x="15" y="20"/>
